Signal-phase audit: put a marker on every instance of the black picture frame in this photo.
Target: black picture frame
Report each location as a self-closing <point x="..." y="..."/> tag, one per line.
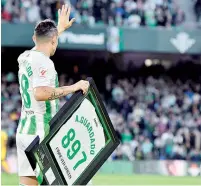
<point x="42" y="154"/>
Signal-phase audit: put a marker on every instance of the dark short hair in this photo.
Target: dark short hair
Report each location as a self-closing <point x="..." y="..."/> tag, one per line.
<point x="45" y="29"/>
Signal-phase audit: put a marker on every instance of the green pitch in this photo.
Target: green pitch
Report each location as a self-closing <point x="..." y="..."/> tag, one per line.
<point x="114" y="179"/>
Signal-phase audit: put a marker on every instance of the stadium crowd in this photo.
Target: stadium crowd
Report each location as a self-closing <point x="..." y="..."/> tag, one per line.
<point x="153" y="117"/>
<point x="133" y="13"/>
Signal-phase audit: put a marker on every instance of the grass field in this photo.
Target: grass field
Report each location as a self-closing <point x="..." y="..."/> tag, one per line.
<point x="114" y="179"/>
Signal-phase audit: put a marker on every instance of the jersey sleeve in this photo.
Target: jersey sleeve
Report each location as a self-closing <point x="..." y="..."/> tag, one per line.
<point x="41" y="75"/>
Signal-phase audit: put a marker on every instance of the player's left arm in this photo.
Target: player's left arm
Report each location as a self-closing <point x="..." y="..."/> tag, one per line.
<point x="63" y="20"/>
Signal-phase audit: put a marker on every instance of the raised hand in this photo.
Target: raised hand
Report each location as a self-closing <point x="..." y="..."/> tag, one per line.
<point x="63" y="19"/>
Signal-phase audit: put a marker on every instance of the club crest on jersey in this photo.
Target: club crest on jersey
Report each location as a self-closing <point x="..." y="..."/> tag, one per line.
<point x="42" y="72"/>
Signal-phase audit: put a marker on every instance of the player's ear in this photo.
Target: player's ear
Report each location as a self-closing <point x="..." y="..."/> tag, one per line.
<point x="54" y="40"/>
<point x="34" y="38"/>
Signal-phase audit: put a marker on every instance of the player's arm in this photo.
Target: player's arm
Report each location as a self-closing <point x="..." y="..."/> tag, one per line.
<point x="63" y="19"/>
<point x="43" y="78"/>
<point x="43" y="93"/>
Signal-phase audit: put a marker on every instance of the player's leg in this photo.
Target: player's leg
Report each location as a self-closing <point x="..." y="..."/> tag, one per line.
<point x="4" y="163"/>
<point x="5" y="166"/>
<point x="26" y="174"/>
<point x="28" y="180"/>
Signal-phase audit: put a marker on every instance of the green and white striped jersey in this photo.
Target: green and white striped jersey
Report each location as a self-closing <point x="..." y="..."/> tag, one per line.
<point x="36" y="69"/>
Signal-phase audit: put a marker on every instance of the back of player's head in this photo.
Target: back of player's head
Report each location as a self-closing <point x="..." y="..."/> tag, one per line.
<point x="45" y="30"/>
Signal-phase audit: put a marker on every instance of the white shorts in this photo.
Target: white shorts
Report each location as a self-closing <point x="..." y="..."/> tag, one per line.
<point x="22" y="142"/>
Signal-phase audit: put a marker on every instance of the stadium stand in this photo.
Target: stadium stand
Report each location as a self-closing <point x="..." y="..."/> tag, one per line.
<point x="133" y="13"/>
<point x="155" y="118"/>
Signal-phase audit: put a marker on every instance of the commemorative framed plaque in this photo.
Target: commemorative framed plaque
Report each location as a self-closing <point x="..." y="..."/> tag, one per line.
<point x="80" y="139"/>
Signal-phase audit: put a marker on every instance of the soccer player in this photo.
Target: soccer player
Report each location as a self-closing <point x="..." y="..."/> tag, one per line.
<point x="40" y="89"/>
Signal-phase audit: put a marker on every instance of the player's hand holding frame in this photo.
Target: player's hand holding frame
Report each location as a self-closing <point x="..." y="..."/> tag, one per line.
<point x="82" y="85"/>
<point x="63" y="19"/>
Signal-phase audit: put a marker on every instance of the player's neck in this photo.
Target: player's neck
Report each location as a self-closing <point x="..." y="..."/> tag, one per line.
<point x="43" y="50"/>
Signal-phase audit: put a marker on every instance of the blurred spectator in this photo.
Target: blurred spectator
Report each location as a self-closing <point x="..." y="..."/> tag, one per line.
<point x="197" y="9"/>
<point x="33" y="12"/>
<point x="147" y="147"/>
<point x="178" y="17"/>
<point x="195" y="155"/>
